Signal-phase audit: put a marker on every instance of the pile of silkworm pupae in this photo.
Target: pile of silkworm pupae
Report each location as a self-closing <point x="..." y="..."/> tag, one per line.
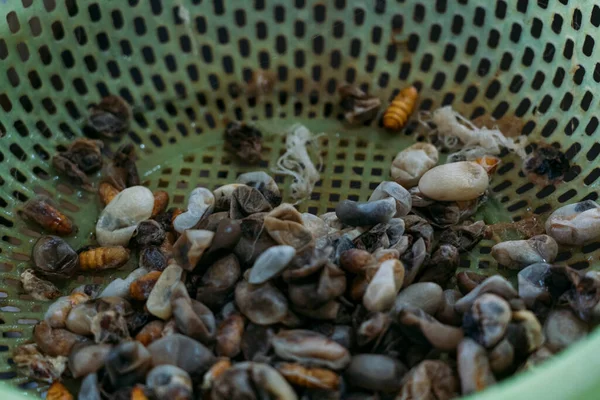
<point x="241" y="296"/>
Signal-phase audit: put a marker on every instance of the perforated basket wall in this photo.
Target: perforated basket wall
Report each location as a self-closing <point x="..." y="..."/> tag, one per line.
<point x="187" y="65"/>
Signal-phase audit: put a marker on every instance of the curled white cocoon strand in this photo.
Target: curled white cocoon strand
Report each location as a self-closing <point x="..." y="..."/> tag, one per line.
<point x="456" y="131"/>
<point x="296" y="161"/>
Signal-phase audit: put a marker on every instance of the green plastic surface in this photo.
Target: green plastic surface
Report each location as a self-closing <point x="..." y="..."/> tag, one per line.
<point x="185" y="66"/>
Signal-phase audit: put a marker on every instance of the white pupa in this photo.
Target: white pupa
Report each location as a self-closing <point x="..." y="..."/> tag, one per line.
<point x="297" y="163"/>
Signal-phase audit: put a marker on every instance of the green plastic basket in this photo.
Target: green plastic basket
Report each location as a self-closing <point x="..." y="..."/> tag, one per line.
<point x="188" y="66"/>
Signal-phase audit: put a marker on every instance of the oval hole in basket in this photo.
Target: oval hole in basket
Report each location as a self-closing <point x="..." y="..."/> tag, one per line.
<point x="29" y="385"/>
<point x="7" y="375"/>
<point x="12" y="240"/>
<point x="5" y="267"/>
<point x="68" y="205"/>
<point x="10" y="309"/>
<point x="12" y="334"/>
<point x="28" y="321"/>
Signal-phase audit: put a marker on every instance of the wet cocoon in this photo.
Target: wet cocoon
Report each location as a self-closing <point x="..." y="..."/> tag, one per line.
<point x="575" y="224"/>
<point x="159" y="301"/>
<point x="393" y="190"/>
<point x="411" y="163"/>
<point x="385" y="284"/>
<point x="121" y="216"/>
<point x="459" y="181"/>
<point x="271" y="263"/>
<point x="517" y="254"/>
<point x="200" y="203"/>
